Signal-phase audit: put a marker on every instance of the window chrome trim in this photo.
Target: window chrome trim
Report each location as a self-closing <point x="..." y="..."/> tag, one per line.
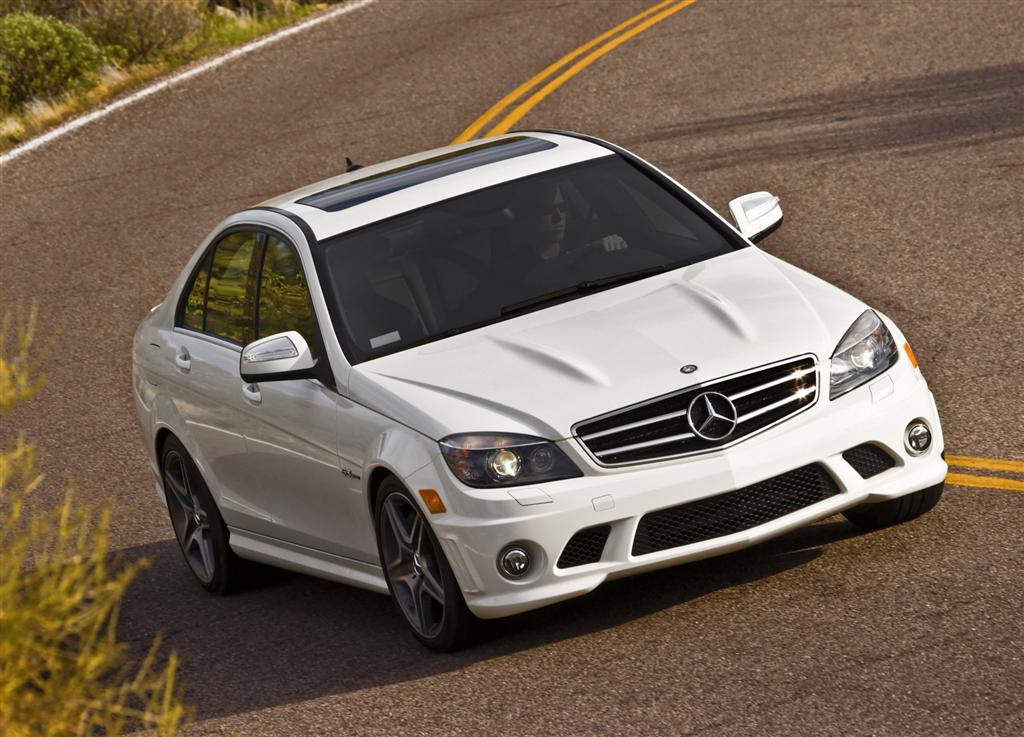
<point x="208" y="337"/>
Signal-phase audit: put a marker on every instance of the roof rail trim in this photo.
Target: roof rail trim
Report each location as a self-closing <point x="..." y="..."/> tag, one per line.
<point x="300" y="223"/>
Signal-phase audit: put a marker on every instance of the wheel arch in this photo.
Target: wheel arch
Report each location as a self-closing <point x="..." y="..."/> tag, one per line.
<point x="373" y="484"/>
<point x="158" y="444"/>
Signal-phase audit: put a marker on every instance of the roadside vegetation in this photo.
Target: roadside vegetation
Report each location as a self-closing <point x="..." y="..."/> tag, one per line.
<point x="61" y="57"/>
<point x="63" y="672"/>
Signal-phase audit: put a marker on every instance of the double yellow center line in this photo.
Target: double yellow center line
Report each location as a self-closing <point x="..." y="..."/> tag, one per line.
<point x="555" y="75"/>
<point x="992" y="480"/>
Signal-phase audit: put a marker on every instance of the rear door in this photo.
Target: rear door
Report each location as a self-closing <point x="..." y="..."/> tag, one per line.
<point x="215" y="318"/>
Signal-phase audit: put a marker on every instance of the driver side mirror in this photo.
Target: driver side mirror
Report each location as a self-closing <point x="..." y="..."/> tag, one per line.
<point x="277" y="357"/>
<point x="757" y="215"/>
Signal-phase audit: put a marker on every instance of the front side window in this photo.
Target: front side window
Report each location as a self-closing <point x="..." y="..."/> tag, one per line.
<point x="494" y="253"/>
<point x="284" y="295"/>
<point x="230" y="302"/>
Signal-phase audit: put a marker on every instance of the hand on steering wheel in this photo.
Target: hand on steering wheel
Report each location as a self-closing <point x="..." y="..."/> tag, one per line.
<point x="611" y="243"/>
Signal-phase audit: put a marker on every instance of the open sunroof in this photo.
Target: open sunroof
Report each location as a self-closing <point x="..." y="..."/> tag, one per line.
<point x="403" y="177"/>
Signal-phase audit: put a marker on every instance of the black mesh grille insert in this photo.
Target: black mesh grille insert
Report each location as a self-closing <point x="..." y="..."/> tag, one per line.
<point x="586" y="546"/>
<point x="733" y="511"/>
<point x="659" y="428"/>
<point x="868" y="460"/>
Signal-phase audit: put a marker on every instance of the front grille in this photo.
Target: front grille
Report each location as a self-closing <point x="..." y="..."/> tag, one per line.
<point x="868" y="460"/>
<point x="586" y="546"/>
<point x="659" y="428"/>
<point x="733" y="511"/>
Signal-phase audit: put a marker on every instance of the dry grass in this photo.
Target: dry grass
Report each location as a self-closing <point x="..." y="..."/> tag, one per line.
<point x="63" y="672"/>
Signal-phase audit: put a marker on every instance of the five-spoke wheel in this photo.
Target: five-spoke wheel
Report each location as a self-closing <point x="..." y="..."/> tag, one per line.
<point x="412" y="563"/>
<point x="198" y="526"/>
<point x="191" y="522"/>
<point x="418" y="574"/>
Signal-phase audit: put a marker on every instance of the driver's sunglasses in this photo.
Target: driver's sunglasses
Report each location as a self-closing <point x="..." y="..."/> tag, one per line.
<point x="558" y="209"/>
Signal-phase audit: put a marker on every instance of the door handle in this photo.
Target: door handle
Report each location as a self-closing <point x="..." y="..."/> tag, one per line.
<point x="252" y="393"/>
<point x="183" y="360"/>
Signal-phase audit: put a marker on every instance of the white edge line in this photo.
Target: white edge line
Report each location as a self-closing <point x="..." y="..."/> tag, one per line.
<point x="75" y="123"/>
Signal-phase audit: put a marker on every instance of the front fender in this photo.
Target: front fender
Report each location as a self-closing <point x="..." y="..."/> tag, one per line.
<point x="401" y="452"/>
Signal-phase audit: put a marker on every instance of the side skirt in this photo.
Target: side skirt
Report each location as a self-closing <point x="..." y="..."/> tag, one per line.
<point x="263" y="549"/>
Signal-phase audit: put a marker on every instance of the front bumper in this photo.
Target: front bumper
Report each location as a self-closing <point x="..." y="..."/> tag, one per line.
<point x="481" y="522"/>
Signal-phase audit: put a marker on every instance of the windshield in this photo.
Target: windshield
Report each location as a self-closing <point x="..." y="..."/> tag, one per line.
<point x="497" y="252"/>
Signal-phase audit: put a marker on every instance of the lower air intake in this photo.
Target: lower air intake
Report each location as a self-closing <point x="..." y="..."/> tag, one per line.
<point x="586" y="546"/>
<point x="868" y="460"/>
<point x="733" y="511"/>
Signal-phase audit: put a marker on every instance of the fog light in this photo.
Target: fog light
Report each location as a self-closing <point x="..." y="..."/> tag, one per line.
<point x="514" y="562"/>
<point x="917" y="438"/>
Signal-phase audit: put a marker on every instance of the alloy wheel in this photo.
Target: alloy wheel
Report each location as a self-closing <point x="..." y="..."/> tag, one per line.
<point x="190" y="520"/>
<point x="412" y="561"/>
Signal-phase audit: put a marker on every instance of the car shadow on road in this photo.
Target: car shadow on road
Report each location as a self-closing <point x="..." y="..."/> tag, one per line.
<point x="291" y="638"/>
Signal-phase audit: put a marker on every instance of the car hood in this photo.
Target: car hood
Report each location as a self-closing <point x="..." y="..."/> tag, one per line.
<point x="542" y="372"/>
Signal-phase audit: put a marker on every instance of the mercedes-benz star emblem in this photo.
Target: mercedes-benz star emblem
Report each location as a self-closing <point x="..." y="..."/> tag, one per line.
<point x="712" y="416"/>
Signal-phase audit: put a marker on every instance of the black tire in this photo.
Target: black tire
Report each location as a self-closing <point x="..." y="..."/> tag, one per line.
<point x="893" y="512"/>
<point x="211" y="560"/>
<point x="444" y="626"/>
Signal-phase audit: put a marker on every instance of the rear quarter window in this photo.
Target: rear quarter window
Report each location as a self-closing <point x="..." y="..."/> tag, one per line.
<point x="193" y="311"/>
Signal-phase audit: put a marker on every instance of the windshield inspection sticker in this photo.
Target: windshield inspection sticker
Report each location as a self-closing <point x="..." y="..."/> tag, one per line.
<point x="385" y="339"/>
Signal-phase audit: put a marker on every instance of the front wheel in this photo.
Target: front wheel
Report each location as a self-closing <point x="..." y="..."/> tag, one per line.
<point x="893" y="512"/>
<point x="419" y="577"/>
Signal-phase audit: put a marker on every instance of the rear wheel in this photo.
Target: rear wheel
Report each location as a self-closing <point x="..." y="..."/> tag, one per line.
<point x="895" y="511"/>
<point x="418" y="575"/>
<point x="200" y="530"/>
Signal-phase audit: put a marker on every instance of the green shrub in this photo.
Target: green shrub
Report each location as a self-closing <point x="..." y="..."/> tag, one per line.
<point x="43" y="57"/>
<point x="63" y="9"/>
<point x="267" y="7"/>
<point x="134" y="31"/>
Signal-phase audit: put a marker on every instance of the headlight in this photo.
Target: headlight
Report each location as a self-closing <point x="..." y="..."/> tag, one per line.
<point x="490" y="460"/>
<point x="865" y="351"/>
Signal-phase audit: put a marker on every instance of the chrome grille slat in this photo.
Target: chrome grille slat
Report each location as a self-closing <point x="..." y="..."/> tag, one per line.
<point x="770" y="407"/>
<point x="657" y="429"/>
<point x="632" y="425"/>
<point x="770" y="384"/>
<point x="646" y="444"/>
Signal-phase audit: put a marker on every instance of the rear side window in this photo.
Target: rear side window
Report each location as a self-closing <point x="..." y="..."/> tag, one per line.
<point x="284" y="302"/>
<point x="230" y="301"/>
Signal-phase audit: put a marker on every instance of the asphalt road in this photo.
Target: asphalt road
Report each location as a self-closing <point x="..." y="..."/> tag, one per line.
<point x="893" y="134"/>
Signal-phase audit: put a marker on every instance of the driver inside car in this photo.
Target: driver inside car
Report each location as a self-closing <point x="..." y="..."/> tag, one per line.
<point x="547" y="230"/>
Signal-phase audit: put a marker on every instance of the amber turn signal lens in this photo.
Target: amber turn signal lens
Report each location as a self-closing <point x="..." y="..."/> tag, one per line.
<point x="910" y="355"/>
<point x="433" y="501"/>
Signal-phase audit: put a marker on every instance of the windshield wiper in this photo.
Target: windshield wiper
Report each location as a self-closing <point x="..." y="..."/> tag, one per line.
<point x="586" y="287"/>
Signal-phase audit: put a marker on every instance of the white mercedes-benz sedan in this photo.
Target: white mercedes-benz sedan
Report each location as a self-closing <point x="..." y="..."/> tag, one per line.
<point x="492" y="376"/>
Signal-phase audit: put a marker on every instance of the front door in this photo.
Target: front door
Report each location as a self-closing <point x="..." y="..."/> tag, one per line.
<point x="291" y="427"/>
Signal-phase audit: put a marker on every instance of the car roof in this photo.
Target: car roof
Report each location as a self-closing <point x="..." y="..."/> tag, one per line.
<point x="376" y="192"/>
